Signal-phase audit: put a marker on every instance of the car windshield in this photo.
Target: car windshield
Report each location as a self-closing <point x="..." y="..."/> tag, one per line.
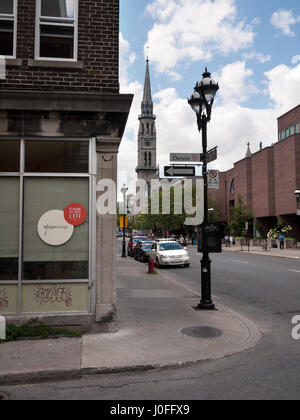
<point x="136" y="240"/>
<point x="171" y="246"/>
<point x="147" y="246"/>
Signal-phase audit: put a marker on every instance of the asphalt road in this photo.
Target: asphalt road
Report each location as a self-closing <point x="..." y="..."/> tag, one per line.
<point x="266" y="290"/>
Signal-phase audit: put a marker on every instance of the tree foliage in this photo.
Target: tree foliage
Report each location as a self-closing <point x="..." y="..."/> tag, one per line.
<point x="239" y="216"/>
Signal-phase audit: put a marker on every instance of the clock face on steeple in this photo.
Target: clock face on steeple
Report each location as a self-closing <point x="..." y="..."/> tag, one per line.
<point x="148" y="144"/>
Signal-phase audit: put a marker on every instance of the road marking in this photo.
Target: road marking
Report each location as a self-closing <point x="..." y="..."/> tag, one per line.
<point x="241" y="262"/>
<point x="295" y="271"/>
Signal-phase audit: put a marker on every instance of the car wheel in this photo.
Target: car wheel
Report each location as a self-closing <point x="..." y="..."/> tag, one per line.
<point x="157" y="263"/>
<point x="186" y="265"/>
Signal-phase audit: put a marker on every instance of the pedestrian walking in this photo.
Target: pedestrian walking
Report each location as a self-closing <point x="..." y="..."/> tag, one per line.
<point x="181" y="240"/>
<point x="281" y="238"/>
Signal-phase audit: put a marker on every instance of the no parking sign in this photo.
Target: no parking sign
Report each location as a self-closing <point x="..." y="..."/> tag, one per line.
<point x="213" y="179"/>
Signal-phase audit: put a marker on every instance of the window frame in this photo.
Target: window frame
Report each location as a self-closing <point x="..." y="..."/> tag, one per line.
<point x="55" y="21"/>
<point x="12" y="18"/>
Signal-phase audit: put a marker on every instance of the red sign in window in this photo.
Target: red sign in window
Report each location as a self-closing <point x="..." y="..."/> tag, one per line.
<point x="75" y="214"/>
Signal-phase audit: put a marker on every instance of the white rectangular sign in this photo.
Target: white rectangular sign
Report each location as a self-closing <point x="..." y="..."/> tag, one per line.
<point x="213" y="180"/>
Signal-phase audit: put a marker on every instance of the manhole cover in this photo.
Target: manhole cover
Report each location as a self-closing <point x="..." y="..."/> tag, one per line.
<point x="2" y="396"/>
<point x="201" y="332"/>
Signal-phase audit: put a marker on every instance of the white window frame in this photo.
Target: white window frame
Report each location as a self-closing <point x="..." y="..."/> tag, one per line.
<point x="13" y="18"/>
<point x="57" y="22"/>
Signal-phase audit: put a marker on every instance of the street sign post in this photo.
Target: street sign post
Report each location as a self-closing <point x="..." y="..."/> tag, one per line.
<point x="171" y="171"/>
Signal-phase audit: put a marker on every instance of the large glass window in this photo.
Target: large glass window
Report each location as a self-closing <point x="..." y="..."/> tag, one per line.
<point x="57" y="156"/>
<point x="46" y="262"/>
<point x="9" y="156"/>
<point x="7" y="27"/>
<point x="297" y="128"/>
<point x="57" y="29"/>
<point x="9" y="227"/>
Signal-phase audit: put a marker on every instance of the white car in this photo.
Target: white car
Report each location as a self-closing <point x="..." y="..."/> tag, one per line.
<point x="169" y="253"/>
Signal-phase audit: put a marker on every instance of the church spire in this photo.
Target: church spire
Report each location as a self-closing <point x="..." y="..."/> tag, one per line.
<point x="147" y="104"/>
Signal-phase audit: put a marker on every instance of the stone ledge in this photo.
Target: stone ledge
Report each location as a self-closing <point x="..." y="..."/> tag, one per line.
<point x="50" y="64"/>
<point x="13" y="62"/>
<point x="76" y="322"/>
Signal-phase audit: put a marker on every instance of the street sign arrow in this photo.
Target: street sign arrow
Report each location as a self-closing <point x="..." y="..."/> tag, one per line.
<point x="180" y="171"/>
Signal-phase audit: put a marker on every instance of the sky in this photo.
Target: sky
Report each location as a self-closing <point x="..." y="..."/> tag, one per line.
<point x="252" y="49"/>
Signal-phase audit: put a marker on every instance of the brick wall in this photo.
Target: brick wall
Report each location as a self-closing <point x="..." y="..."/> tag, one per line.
<point x="289" y="118"/>
<point x="98" y="51"/>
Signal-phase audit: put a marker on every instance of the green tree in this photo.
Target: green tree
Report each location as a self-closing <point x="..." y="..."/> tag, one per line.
<point x="239" y="216"/>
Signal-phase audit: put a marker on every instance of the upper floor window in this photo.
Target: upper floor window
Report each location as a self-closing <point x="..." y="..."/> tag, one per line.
<point x="57" y="29"/>
<point x="8" y="27"/>
<point x="288" y="132"/>
<point x="232" y="187"/>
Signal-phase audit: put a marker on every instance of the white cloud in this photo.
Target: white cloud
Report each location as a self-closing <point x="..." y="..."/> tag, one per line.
<point x="193" y="30"/>
<point x="296" y="59"/>
<point x="284" y="86"/>
<point x="283" y="20"/>
<point x="253" y="55"/>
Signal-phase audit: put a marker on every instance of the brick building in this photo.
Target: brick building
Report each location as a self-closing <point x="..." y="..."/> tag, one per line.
<point x="62" y="119"/>
<point x="267" y="179"/>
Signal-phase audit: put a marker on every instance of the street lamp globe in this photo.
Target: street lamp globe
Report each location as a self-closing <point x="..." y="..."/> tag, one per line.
<point x="124" y="189"/>
<point x="297" y="194"/>
<point x="203" y="97"/>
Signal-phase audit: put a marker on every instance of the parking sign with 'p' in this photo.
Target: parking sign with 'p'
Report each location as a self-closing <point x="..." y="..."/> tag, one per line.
<point x="2" y="328"/>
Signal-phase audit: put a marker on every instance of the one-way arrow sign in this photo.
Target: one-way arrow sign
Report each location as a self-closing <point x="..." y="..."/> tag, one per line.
<point x="180" y="171"/>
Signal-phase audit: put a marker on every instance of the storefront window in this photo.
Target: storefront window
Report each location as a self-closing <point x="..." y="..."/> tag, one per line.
<point x="9" y="227"/>
<point x="9" y="156"/>
<point x="57" y="156"/>
<point x="42" y="261"/>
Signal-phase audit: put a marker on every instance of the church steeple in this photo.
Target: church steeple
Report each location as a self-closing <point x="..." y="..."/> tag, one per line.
<point x="147" y="103"/>
<point x="147" y="168"/>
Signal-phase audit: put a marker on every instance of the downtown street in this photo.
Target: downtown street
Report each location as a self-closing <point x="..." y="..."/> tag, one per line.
<point x="262" y="288"/>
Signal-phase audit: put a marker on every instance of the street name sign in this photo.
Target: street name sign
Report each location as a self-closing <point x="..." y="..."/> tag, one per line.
<point x="211" y="155"/>
<point x="185" y="157"/>
<point x="171" y="171"/>
<point x="213" y="180"/>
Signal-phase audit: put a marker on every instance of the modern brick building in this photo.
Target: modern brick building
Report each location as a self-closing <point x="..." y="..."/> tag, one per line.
<point x="267" y="179"/>
<point x="62" y="119"/>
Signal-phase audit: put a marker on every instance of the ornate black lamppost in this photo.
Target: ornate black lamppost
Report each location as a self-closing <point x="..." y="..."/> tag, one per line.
<point x="201" y="102"/>
<point x="124" y="190"/>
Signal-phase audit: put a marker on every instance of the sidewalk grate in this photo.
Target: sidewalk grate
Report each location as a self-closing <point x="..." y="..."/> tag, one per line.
<point x="201" y="332"/>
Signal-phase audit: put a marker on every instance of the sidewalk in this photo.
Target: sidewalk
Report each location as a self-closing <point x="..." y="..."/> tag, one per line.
<point x="152" y="312"/>
<point x="274" y="252"/>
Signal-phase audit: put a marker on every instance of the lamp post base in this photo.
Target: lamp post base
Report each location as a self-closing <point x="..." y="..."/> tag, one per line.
<point x="206" y="306"/>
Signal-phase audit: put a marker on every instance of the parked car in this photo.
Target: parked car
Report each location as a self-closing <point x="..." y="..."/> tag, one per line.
<point x="133" y="242"/>
<point x="142" y="251"/>
<point x="169" y="253"/>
